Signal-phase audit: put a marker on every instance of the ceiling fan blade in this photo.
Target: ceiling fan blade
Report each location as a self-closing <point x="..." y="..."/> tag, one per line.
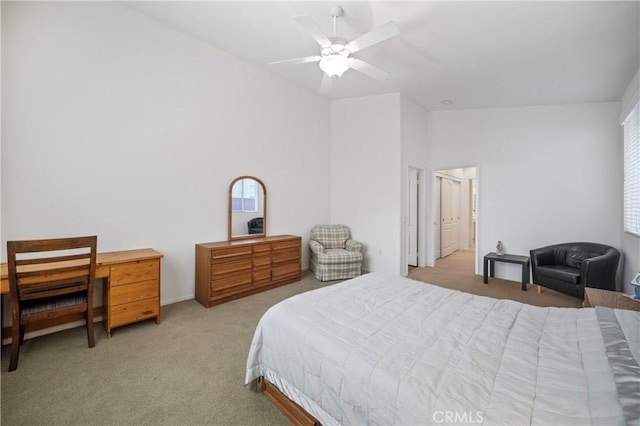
<point x="368" y="69"/>
<point x="326" y="83"/>
<point x="303" y="60"/>
<point x="377" y="35"/>
<point x="310" y="26"/>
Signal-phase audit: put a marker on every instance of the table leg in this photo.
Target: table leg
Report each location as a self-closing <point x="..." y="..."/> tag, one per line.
<point x="485" y="265"/>
<point x="492" y="268"/>
<point x="525" y="276"/>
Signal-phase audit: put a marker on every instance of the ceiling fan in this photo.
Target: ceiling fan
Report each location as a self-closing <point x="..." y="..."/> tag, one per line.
<point x="335" y="52"/>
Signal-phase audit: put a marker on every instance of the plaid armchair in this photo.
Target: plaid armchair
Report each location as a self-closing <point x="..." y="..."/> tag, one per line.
<point x="334" y="255"/>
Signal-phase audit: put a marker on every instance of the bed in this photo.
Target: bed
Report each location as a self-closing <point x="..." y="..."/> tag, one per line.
<point x="386" y="350"/>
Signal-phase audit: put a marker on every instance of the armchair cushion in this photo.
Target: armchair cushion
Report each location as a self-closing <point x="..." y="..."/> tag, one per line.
<point x="560" y="272"/>
<point x="339" y="256"/>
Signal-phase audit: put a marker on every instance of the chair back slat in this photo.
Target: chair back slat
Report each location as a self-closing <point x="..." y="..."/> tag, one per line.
<point x="53" y="244"/>
<point x="44" y="275"/>
<point x="53" y="259"/>
<point x="39" y="286"/>
<point x="53" y="292"/>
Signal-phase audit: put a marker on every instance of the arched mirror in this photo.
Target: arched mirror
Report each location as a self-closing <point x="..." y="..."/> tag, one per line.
<point x="247" y="208"/>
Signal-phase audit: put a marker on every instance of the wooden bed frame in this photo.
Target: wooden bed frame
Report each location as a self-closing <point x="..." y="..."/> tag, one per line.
<point x="295" y="413"/>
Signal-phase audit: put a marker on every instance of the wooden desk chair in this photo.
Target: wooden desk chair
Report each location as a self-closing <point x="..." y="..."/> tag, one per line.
<point x="52" y="278"/>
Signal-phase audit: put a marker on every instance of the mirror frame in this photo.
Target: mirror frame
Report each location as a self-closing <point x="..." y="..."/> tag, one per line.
<point x="230" y="211"/>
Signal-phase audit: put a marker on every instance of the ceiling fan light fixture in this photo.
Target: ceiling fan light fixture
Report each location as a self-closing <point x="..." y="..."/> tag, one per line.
<point x="334" y="65"/>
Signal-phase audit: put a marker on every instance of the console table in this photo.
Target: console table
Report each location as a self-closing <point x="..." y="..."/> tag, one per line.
<point x="131" y="286"/>
<point x="492" y="257"/>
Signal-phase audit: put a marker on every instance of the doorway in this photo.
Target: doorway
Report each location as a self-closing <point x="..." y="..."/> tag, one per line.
<point x="455" y="217"/>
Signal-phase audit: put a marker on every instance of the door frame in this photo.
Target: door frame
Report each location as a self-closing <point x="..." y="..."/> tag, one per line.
<point x="414" y="227"/>
<point x="422" y="205"/>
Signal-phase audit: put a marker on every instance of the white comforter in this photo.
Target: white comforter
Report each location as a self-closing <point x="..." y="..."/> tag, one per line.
<point x="385" y="350"/>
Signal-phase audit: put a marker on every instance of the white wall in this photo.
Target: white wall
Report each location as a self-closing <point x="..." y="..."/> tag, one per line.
<point x="546" y="174"/>
<point x="413" y="134"/>
<point x="365" y="176"/>
<point x="117" y="125"/>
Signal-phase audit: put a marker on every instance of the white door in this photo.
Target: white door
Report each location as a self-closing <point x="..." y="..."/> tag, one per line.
<point x="450" y="193"/>
<point x="438" y="216"/>
<point x="446" y="219"/>
<point x="412" y="226"/>
<point x="456" y="194"/>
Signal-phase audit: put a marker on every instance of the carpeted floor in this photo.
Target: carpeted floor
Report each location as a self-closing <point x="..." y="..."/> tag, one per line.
<point x="456" y="272"/>
<point x="189" y="370"/>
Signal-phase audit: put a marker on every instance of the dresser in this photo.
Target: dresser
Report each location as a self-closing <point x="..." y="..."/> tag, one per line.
<point x="229" y="270"/>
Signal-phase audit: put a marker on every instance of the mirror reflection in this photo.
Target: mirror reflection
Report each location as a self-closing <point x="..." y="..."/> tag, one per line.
<point x="247" y="208"/>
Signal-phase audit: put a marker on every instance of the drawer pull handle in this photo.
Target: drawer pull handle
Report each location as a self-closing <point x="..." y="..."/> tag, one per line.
<point x="147" y="312"/>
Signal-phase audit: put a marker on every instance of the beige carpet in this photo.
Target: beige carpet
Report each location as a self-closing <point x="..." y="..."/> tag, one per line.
<point x="189" y="370"/>
<point x="456" y="271"/>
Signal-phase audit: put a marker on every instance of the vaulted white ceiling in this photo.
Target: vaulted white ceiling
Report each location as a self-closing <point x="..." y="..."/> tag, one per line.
<point x="476" y="54"/>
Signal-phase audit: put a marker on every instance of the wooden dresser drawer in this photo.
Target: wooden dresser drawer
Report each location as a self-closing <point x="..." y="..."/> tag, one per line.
<point x="262" y="277"/>
<point x="285" y="244"/>
<point x="134" y="272"/>
<point x="133" y="292"/>
<point x="262" y="249"/>
<point x="231" y="268"/>
<point x="285" y="271"/>
<point x="135" y="311"/>
<point x="286" y="255"/>
<point x="231" y="283"/>
<point x="261" y="262"/>
<point x="232" y="254"/>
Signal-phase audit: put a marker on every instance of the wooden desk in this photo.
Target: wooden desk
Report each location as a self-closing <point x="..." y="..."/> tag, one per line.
<point x="611" y="299"/>
<point x="131" y="286"/>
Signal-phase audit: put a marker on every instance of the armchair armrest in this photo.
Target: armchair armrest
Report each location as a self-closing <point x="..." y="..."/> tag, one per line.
<point x="540" y="257"/>
<point x="600" y="271"/>
<point x="353" y="245"/>
<point x="316" y="247"/>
